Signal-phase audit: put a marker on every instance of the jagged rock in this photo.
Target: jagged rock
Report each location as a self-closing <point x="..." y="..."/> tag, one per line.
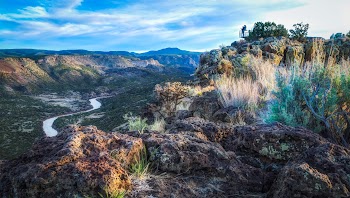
<point x="80" y="161"/>
<point x="281" y="51"/>
<point x="196" y="158"/>
<point x="233" y="115"/>
<point x="321" y="171"/>
<point x="205" y="106"/>
<point x="182" y="114"/>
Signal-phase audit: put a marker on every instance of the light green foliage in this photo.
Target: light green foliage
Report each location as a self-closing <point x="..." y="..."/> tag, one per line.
<point x="286" y="108"/>
<point x="136" y="123"/>
<point x="299" y="32"/>
<point x="267" y="29"/>
<point x="315" y="96"/>
<point x="141" y="165"/>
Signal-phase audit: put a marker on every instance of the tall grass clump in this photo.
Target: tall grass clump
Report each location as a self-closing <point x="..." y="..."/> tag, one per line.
<point x="316" y="96"/>
<point x="158" y="125"/>
<point x="250" y="87"/>
<point x="141" y="164"/>
<point x="264" y="73"/>
<point x="240" y="93"/>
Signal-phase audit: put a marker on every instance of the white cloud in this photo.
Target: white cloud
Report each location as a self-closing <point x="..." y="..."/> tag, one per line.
<point x="325" y="17"/>
<point x="195" y="23"/>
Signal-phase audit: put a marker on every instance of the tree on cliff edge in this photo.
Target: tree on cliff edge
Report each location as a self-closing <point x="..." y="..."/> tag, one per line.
<point x="267" y="29"/>
<point x="299" y="32"/>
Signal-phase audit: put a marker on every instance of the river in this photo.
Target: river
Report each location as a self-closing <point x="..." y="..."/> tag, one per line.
<point x="47" y="124"/>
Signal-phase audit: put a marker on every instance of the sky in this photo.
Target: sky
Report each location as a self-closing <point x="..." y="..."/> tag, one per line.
<point x="143" y="25"/>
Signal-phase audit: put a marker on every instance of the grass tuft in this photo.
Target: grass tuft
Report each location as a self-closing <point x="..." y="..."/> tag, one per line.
<point x="141" y="165"/>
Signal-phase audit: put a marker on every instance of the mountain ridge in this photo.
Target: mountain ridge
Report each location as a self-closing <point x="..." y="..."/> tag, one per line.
<point x="38" y="52"/>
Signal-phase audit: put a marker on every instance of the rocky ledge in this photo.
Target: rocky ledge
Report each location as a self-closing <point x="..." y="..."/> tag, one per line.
<point x="197" y="158"/>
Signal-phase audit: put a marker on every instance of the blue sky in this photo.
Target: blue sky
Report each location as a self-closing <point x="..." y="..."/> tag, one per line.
<point x="142" y="25"/>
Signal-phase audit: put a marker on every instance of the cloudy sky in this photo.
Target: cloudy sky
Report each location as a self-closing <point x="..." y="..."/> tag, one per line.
<point x="142" y="25"/>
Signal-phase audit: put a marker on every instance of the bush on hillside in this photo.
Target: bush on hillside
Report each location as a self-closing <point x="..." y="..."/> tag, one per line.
<point x="299" y="32"/>
<point x="267" y="29"/>
<point x="316" y="96"/>
<point x="169" y="96"/>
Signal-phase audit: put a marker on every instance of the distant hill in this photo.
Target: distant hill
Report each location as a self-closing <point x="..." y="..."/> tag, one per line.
<point x="172" y="57"/>
<point x="37" y="52"/>
<point x="169" y="51"/>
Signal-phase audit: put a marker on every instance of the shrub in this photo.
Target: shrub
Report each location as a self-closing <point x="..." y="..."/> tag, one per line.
<point x="316" y="96"/>
<point x="136" y="123"/>
<point x="141" y="165"/>
<point x="299" y="32"/>
<point x="267" y="29"/>
<point x="170" y="95"/>
<point x="348" y="34"/>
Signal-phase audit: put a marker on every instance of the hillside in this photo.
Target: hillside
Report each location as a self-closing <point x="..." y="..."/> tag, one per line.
<point x="36" y="88"/>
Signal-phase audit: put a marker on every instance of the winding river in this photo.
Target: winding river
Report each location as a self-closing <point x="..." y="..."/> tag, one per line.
<point x="47" y="124"/>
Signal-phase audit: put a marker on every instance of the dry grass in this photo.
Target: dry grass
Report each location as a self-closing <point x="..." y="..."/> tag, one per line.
<point x="158" y="125"/>
<point x="239" y="93"/>
<point x="264" y="72"/>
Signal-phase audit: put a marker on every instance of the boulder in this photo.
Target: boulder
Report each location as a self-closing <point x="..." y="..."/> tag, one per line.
<point x="205" y="106"/>
<point x="321" y="171"/>
<point x="81" y="161"/>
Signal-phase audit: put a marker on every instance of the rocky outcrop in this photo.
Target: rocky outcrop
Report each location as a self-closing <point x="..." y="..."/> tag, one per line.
<point x="280" y="51"/>
<point x="79" y="161"/>
<point x="196" y="158"/>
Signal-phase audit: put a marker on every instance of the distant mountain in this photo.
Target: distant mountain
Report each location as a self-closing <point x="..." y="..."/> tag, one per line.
<point x="4" y="53"/>
<point x="36" y="52"/>
<point x="169" y="51"/>
<point x="172" y="57"/>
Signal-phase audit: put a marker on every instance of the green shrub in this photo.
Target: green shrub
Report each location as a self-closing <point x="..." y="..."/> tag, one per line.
<point x="136" y="123"/>
<point x="316" y="96"/>
<point x="299" y="32"/>
<point x="348" y="34"/>
<point x="267" y="29"/>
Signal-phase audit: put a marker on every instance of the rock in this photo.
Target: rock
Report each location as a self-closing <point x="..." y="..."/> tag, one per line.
<point x="80" y="161"/>
<point x="187" y="158"/>
<point x="205" y="106"/>
<point x="182" y="114"/>
<point x="233" y="115"/>
<point x="197" y="158"/>
<point x="211" y="131"/>
<point x="319" y="172"/>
